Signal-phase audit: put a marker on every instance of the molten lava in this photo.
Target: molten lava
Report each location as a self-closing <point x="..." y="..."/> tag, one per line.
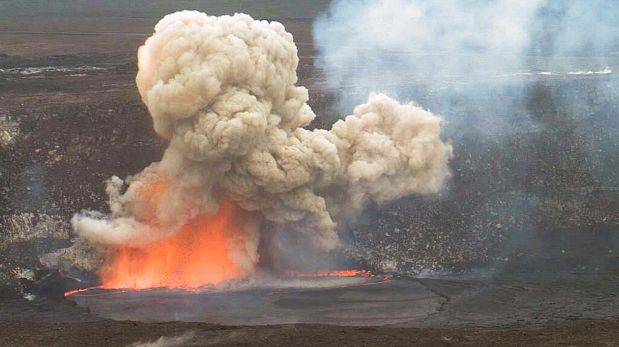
<point x="199" y="254"/>
<point x="332" y="273"/>
<point x="205" y="251"/>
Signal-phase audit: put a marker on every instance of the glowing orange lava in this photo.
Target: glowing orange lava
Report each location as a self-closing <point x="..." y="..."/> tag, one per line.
<point x="76" y="291"/>
<point x="197" y="255"/>
<point x="335" y="273"/>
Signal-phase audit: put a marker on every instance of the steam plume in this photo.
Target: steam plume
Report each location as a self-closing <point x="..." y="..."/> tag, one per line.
<point x="222" y="91"/>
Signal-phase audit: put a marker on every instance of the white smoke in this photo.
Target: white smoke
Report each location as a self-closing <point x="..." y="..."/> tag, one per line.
<point x="384" y="44"/>
<point x="168" y="341"/>
<point x="445" y="53"/>
<point x="222" y="90"/>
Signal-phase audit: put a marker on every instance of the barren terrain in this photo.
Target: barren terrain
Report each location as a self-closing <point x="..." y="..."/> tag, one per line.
<point x="541" y="268"/>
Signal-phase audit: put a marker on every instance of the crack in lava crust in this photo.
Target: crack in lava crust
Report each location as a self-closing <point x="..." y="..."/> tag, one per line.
<point x="319" y="279"/>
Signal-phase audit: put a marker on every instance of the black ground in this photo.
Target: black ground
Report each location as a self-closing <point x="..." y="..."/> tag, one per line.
<point x="534" y="214"/>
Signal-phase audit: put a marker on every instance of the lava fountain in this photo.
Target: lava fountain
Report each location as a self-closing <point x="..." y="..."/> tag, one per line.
<point x="200" y="254"/>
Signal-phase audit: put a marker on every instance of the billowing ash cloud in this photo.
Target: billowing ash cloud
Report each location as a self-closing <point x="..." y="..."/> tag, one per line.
<point x="222" y="91"/>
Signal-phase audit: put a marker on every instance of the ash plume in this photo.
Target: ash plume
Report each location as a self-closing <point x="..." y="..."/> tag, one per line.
<point x="222" y="91"/>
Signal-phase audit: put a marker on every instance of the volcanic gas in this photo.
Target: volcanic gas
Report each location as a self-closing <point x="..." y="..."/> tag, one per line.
<point x="222" y="91"/>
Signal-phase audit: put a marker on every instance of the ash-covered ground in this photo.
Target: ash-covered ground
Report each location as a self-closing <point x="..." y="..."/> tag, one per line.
<point x="524" y="239"/>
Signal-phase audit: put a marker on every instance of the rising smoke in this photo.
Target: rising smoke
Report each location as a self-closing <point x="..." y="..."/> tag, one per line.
<point x="222" y="91"/>
<point x="471" y="61"/>
<point x="527" y="94"/>
<point x="389" y="45"/>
